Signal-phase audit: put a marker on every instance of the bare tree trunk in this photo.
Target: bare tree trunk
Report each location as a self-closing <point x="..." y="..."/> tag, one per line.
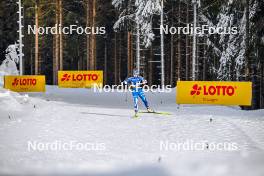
<point x="115" y="60"/>
<point x="138" y="48"/>
<point x="262" y="84"/>
<point x="204" y="61"/>
<point x="187" y="46"/>
<point x="150" y="76"/>
<point x="61" y="35"/>
<point x="162" y="79"/>
<point x="247" y="57"/>
<point x="172" y="60"/>
<point x="119" y="57"/>
<point x="79" y="58"/>
<point x="57" y="45"/>
<point x="91" y="39"/>
<point x="129" y="54"/>
<point x="88" y="54"/>
<point x="54" y="58"/>
<point x="37" y="38"/>
<point x="194" y="72"/>
<point x="105" y="61"/>
<point x="247" y="64"/>
<point x="179" y="44"/>
<point x="94" y="38"/>
<point x="172" y="52"/>
<point x="31" y="59"/>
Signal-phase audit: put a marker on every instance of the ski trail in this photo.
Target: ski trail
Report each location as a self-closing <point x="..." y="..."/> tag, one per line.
<point x="130" y="143"/>
<point x="249" y="143"/>
<point x="102" y="114"/>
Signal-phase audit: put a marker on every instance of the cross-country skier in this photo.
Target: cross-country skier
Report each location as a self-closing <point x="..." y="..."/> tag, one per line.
<point x="136" y="83"/>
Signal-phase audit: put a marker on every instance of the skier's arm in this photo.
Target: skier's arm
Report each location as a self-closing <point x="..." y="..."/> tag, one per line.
<point x="126" y="81"/>
<point x="129" y="83"/>
<point x="143" y="81"/>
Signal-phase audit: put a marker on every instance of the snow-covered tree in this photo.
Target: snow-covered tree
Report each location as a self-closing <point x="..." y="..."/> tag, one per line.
<point x="231" y="48"/>
<point x="139" y="12"/>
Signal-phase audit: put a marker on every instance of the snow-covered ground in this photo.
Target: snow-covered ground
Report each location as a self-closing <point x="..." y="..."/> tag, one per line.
<point x="130" y="146"/>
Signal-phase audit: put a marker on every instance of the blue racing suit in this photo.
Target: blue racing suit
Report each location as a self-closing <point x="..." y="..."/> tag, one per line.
<point x="137" y="91"/>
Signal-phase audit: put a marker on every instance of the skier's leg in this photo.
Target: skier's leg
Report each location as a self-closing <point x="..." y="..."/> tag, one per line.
<point x="144" y="99"/>
<point x="135" y="99"/>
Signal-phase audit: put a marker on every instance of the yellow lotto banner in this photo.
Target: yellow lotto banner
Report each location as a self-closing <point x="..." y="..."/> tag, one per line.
<point x="214" y="92"/>
<point x="80" y="79"/>
<point x="30" y="83"/>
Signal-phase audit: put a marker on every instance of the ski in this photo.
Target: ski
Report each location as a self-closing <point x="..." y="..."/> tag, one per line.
<point x="135" y="116"/>
<point x="156" y="112"/>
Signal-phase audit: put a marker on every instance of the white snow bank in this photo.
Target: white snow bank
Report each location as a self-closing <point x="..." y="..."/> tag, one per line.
<point x="11" y="101"/>
<point x="2" y="79"/>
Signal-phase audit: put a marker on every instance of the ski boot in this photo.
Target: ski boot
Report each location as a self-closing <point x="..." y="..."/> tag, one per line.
<point x="150" y="110"/>
<point x="136" y="114"/>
